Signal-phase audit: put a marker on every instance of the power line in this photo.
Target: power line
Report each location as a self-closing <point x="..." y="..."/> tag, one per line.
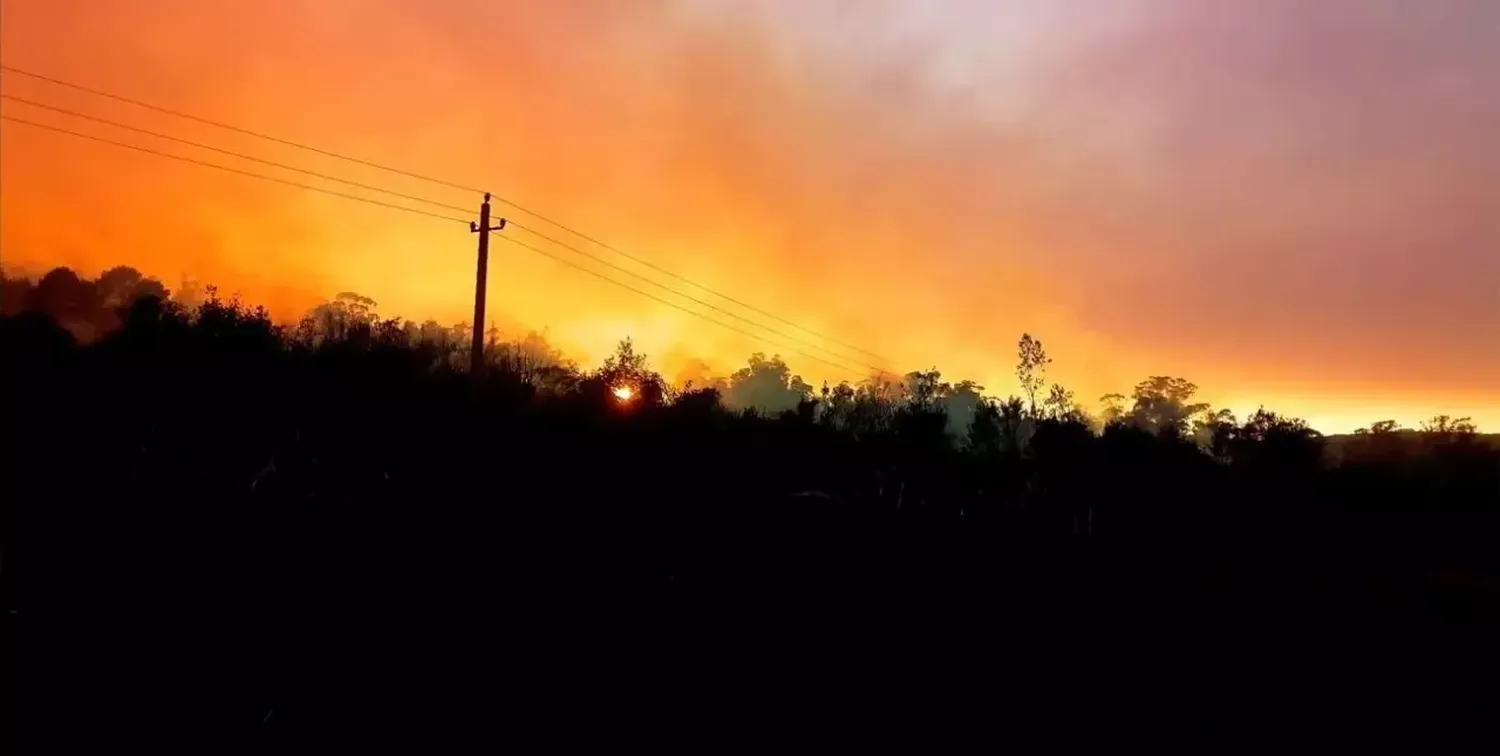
<point x="251" y="174"/>
<point x="247" y="132"/>
<point x="450" y="184"/>
<point x="691" y="298"/>
<point x="357" y="198"/>
<point x="669" y="303"/>
<point x="686" y="280"/>
<point x="415" y="198"/>
<point x="231" y="153"/>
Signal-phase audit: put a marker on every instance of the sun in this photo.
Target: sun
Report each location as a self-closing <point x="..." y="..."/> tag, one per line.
<point x="623" y="393"/>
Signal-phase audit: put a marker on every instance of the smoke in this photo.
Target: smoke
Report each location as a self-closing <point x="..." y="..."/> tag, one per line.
<point x="1272" y="199"/>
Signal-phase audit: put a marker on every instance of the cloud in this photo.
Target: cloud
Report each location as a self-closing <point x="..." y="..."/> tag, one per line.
<point x="1279" y="199"/>
<point x="1304" y="180"/>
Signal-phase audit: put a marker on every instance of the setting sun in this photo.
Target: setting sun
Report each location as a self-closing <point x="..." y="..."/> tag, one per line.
<point x="623" y="393"/>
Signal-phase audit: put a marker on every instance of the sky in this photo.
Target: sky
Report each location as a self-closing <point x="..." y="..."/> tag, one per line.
<point x="1289" y="203"/>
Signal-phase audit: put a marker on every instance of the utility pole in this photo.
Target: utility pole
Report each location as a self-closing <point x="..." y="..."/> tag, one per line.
<point x="483" y="228"/>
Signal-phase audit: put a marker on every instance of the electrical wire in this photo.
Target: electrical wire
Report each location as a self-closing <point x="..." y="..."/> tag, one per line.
<point x="251" y="174"/>
<point x="230" y="127"/>
<point x="230" y="153"/>
<point x="664" y="271"/>
<point x="524" y="245"/>
<point x="414" y="198"/>
<point x="690" y="298"/>
<point x="453" y="185"/>
<point x="669" y="303"/>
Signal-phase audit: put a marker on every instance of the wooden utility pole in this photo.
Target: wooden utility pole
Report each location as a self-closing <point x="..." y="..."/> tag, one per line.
<point x="483" y="228"/>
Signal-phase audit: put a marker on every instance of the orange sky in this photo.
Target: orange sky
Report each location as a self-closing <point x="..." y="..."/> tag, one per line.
<point x="1285" y="202"/>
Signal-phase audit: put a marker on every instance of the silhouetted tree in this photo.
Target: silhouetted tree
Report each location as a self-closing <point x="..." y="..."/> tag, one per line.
<point x="189" y="294"/>
<point x="925" y="390"/>
<point x="1060" y="404"/>
<point x="255" y="513"/>
<point x="922" y="418"/>
<point x="1163" y="405"/>
<point x="69" y="300"/>
<point x="1031" y="368"/>
<point x="1214" y="430"/>
<point x="15" y="294"/>
<point x="1384" y="441"/>
<point x="626" y="376"/>
<point x="1268" y="441"/>
<point x="535" y="362"/>
<point x="766" y="385"/>
<point x="349" y="317"/>
<point x="1449" y="427"/>
<point x="698" y="400"/>
<point x="1380" y="428"/>
<point x="985" y="437"/>
<point x="121" y="286"/>
<point x="1015" y="425"/>
<point x="962" y="407"/>
<point x="1112" y="408"/>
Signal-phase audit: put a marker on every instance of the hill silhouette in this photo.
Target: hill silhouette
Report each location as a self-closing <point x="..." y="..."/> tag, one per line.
<point x="224" y="531"/>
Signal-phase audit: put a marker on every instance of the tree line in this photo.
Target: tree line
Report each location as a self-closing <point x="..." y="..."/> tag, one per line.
<point x="90" y="309"/>
<point x="336" y="508"/>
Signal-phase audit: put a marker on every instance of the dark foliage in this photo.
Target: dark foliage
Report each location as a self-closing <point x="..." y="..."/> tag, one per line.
<point x="219" y="530"/>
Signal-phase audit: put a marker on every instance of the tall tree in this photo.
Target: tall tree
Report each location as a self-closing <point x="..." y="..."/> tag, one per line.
<point x="1271" y="442"/>
<point x="925" y="389"/>
<point x="1163" y="405"/>
<point x="71" y="301"/>
<point x="1446" y="426"/>
<point x="627" y="374"/>
<point x="119" y="287"/>
<point x="1060" y="404"/>
<point x="1214" y="431"/>
<point x="766" y="385"/>
<point x="1031" y="367"/>
<point x="962" y="406"/>
<point x="1112" y="408"/>
<point x="337" y="320"/>
<point x="534" y="361"/>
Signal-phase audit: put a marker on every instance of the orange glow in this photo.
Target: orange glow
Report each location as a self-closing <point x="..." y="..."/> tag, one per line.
<point x="883" y="174"/>
<point x="623" y="393"/>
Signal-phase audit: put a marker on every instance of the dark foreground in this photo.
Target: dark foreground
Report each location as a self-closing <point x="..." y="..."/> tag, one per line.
<point x="370" y="634"/>
<point x="218" y="542"/>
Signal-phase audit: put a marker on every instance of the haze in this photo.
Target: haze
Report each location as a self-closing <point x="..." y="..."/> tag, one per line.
<point x="1287" y="202"/>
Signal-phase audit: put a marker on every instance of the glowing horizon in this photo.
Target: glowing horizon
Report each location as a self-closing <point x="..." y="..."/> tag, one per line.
<point x="1301" y="222"/>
